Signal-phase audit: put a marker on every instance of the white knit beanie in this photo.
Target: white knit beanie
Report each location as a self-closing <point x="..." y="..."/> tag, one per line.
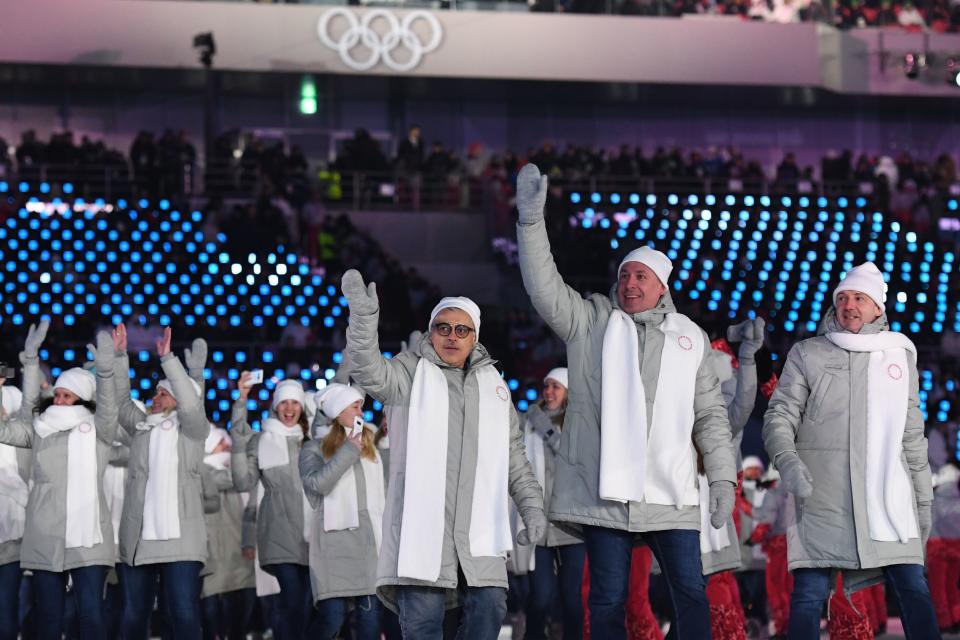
<point x="464" y="304"/>
<point x="658" y="262"/>
<point x="560" y="375"/>
<point x="336" y="397"/>
<point x="166" y="386"/>
<point x="865" y="278"/>
<point x="752" y="461"/>
<point x="289" y="390"/>
<point x="78" y="381"/>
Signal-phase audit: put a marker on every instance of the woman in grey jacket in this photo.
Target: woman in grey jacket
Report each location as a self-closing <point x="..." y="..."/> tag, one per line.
<point x="162" y="531"/>
<point x="845" y="431"/>
<point x="555" y="563"/>
<point x="228" y="594"/>
<point x="271" y="457"/>
<point x="15" y="474"/>
<point x="67" y="529"/>
<point x="456" y="456"/>
<point x="344" y="480"/>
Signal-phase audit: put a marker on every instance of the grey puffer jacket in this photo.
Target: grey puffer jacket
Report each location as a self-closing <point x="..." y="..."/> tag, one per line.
<point x="44" y="535"/>
<point x="10" y="550"/>
<point x="228" y="569"/>
<point x="554" y="536"/>
<point x="777" y="510"/>
<point x="194" y="428"/>
<point x="581" y="324"/>
<point x="390" y="382"/>
<point x="819" y="411"/>
<point x="280" y="518"/>
<point x="342" y="563"/>
<point x="946" y="512"/>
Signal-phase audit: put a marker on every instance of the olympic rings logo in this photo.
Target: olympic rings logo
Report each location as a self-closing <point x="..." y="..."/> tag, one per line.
<point x="399" y="34"/>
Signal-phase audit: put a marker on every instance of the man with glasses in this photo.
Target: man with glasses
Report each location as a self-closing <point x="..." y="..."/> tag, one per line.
<point x="457" y="454"/>
<point x="642" y="394"/>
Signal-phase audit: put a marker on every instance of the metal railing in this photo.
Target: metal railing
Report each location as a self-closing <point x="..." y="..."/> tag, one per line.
<point x="396" y="190"/>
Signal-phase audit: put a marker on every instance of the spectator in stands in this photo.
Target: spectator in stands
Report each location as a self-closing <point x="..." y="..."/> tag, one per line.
<point x="143" y="161"/>
<point x="788" y="172"/>
<point x="910" y="16"/>
<point x="409" y="165"/>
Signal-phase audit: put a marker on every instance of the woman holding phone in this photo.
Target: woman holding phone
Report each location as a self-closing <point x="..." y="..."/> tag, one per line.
<point x="271" y="457"/>
<point x="343" y="477"/>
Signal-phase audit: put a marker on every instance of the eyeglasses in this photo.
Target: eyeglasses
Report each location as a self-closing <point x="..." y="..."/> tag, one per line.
<point x="444" y="329"/>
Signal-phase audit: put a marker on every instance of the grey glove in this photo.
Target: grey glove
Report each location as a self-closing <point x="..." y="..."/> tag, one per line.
<point x="925" y="520"/>
<point x="361" y="299"/>
<point x="35" y="337"/>
<point x="531" y="194"/>
<point x="749" y="334"/>
<point x="103" y="354"/>
<point x="721" y="502"/>
<point x="196" y="358"/>
<point x="412" y="343"/>
<point x="794" y="474"/>
<point x="535" y="525"/>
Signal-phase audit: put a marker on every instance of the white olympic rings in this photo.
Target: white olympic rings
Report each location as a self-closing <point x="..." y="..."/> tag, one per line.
<point x="399" y="34"/>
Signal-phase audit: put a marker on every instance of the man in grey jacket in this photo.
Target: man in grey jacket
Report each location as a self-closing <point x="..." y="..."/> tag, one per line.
<point x="626" y="468"/>
<point x="845" y="431"/>
<point x="456" y="454"/>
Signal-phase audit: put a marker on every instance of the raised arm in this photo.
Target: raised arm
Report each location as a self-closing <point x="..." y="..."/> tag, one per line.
<point x="711" y="426"/>
<point x="243" y="459"/>
<point x="195" y="357"/>
<point x="560" y="306"/>
<point x="107" y="418"/>
<point x="386" y="380"/>
<point x="319" y="476"/>
<point x="130" y="414"/>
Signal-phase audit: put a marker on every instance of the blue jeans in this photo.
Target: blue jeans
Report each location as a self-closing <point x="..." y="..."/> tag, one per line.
<point x="677" y="551"/>
<point x="332" y="613"/>
<point x="227" y="615"/>
<point x="9" y="600"/>
<point x="181" y="596"/>
<point x="49" y="598"/>
<point x="557" y="571"/>
<point x="421" y="612"/>
<point x="292" y="606"/>
<point x="812" y="586"/>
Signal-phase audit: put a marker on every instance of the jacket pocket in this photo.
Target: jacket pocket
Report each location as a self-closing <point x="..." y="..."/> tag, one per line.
<point x="570" y="438"/>
<point x="818" y="403"/>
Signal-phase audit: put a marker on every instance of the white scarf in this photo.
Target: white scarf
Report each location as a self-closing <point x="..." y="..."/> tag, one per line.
<point x="13" y="495"/>
<point x="161" y="502"/>
<point x="710" y="539"/>
<point x="272" y="451"/>
<point x="888" y="486"/>
<point x="114" y="479"/>
<point x="424" y="495"/>
<point x="341" y="508"/>
<point x="659" y="467"/>
<point x="83" y="496"/>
